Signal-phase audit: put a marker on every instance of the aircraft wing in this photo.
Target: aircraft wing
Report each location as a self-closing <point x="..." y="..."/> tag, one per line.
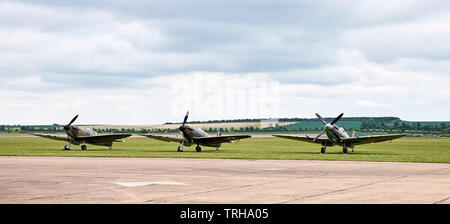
<point x="165" y="138"/>
<point x="103" y="138"/>
<point x="370" y="139"/>
<point x="219" y="139"/>
<point x="320" y="140"/>
<point x="53" y="137"/>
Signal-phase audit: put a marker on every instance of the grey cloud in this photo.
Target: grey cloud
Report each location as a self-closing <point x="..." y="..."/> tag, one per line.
<point x="89" y="41"/>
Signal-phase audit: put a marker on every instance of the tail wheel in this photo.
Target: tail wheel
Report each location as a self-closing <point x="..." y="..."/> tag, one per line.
<point x="83" y="147"/>
<point x="198" y="149"/>
<point x="323" y="150"/>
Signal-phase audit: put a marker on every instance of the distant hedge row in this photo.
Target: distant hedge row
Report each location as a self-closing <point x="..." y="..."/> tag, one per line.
<point x="364" y="124"/>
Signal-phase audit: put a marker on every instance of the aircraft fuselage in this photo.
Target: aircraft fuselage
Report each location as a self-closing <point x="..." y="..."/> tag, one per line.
<point x="76" y="132"/>
<point x="189" y="133"/>
<point x="335" y="133"/>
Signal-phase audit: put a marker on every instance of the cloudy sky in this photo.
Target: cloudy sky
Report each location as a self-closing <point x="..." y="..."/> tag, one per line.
<point x="147" y="62"/>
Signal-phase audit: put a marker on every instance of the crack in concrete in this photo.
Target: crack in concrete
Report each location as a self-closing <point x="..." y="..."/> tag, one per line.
<point x="442" y="201"/>
<point x="236" y="187"/>
<point x="213" y="190"/>
<point x="231" y="188"/>
<point x="361" y="186"/>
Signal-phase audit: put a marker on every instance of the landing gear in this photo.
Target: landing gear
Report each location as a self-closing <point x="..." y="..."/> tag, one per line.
<point x="323" y="150"/>
<point x="198" y="148"/>
<point x="67" y="147"/>
<point x="180" y="148"/>
<point x="83" y="147"/>
<point x="345" y="150"/>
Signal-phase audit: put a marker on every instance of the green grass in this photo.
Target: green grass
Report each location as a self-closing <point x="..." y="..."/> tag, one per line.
<point x="401" y="150"/>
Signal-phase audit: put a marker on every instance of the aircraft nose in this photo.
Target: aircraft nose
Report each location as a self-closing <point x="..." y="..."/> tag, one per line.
<point x="328" y="127"/>
<point x="66" y="127"/>
<point x="182" y="128"/>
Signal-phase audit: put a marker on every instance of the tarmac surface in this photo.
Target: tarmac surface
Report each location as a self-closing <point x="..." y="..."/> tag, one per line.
<point x="51" y="180"/>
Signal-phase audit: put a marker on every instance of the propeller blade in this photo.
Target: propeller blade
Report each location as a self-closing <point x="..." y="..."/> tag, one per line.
<point x="73" y="120"/>
<point x="185" y="118"/>
<point x="337" y="119"/>
<point x="321" y="119"/>
<point x="318" y="136"/>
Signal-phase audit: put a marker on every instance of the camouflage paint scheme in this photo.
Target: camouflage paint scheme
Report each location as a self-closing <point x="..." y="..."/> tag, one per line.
<point x="338" y="136"/>
<point x="196" y="136"/>
<point x="82" y="136"/>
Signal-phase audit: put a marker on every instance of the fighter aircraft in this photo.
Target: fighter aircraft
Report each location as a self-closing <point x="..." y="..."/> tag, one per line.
<point x="77" y="136"/>
<point x="337" y="136"/>
<point x="196" y="136"/>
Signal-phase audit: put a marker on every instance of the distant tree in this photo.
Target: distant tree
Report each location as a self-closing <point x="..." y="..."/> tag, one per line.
<point x="396" y="124"/>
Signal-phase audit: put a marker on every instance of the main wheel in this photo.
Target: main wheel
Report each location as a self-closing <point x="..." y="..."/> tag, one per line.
<point x="198" y="149"/>
<point x="323" y="150"/>
<point x="83" y="147"/>
<point x="345" y="150"/>
<point x="67" y="147"/>
<point x="179" y="149"/>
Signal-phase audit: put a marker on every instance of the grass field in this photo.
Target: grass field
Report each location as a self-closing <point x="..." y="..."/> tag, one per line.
<point x="401" y="150"/>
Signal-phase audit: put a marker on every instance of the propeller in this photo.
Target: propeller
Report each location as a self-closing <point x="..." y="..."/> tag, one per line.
<point x="318" y="136"/>
<point x="337" y="119"/>
<point x="73" y="119"/>
<point x="183" y="127"/>
<point x="67" y="126"/>
<point x="321" y="119"/>
<point x="326" y="124"/>
<point x="186" y="117"/>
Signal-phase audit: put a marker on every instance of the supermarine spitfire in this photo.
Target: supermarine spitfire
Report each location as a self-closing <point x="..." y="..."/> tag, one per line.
<point x="337" y="136"/>
<point x="196" y="136"/>
<point x="77" y="136"/>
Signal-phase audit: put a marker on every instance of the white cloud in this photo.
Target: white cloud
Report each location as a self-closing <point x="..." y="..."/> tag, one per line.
<point x="366" y="103"/>
<point x="423" y="37"/>
<point x="219" y="95"/>
<point x="207" y="95"/>
<point x="21" y="82"/>
<point x="148" y="62"/>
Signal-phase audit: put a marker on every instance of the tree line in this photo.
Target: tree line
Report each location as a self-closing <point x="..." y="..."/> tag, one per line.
<point x="382" y="124"/>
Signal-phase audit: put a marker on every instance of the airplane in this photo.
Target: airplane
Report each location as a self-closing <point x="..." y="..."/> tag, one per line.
<point x="77" y="136"/>
<point x="337" y="136"/>
<point x="196" y="136"/>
